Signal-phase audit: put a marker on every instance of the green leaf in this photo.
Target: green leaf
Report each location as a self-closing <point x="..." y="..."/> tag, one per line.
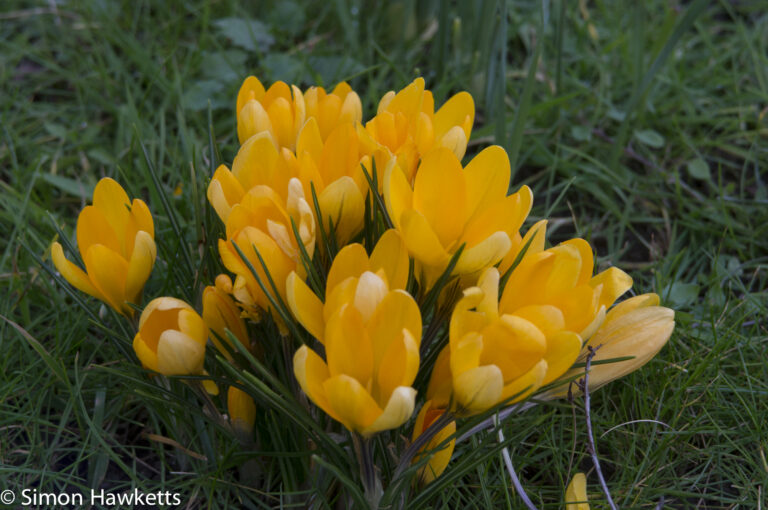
<point x="650" y="138"/>
<point x="70" y="186"/>
<point x="280" y="66"/>
<point x="249" y="34"/>
<point x="200" y="92"/>
<point x="682" y="294"/>
<point x="226" y="65"/>
<point x="698" y="169"/>
<point x="581" y="133"/>
<point x="334" y="69"/>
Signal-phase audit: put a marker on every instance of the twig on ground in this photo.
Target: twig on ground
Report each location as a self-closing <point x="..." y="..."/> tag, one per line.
<point x="511" y="469"/>
<point x="584" y="383"/>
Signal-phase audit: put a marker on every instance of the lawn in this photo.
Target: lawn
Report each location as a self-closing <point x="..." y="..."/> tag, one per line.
<point x="640" y="126"/>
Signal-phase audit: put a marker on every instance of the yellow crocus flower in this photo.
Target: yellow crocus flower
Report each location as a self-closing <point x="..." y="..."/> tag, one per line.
<point x="389" y="257"/>
<point x="636" y="327"/>
<point x="555" y="289"/>
<point x="257" y="163"/>
<point x="576" y="493"/>
<point x="371" y="341"/>
<point x="220" y="314"/>
<point x="450" y="206"/>
<point x="332" y="165"/>
<point x="116" y="241"/>
<point x="491" y="356"/>
<point x="279" y="111"/>
<point x="171" y="338"/>
<point x="242" y="412"/>
<point x="406" y="126"/>
<point x="342" y="106"/>
<point x="438" y="460"/>
<point x="246" y="288"/>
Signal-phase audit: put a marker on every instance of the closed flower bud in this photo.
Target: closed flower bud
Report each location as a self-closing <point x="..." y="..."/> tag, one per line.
<point x="576" y="493"/>
<point x="438" y="459"/>
<point x="242" y="412"/>
<point x="220" y="314"/>
<point x="116" y="241"/>
<point x="171" y="338"/>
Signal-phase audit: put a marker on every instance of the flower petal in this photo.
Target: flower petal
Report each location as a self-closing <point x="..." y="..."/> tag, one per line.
<point x="140" y="266"/>
<point x="146" y="355"/>
<point x="107" y="271"/>
<point x="465" y="353"/>
<point x="398" y="194"/>
<point x="351" y="261"/>
<point x="305" y="305"/>
<point x="397" y="311"/>
<point x="342" y="203"/>
<point x="349" y="400"/>
<point x="73" y="274"/>
<point x="398" y="367"/>
<point x="576" y="493"/>
<point x="513" y="344"/>
<point x="179" y="354"/>
<point x="439" y="194"/>
<point x="587" y="259"/>
<point x="391" y="255"/>
<point x="534" y="240"/>
<point x="640" y="333"/>
<point x="258" y="162"/>
<point x="615" y="282"/>
<point x="459" y="110"/>
<point x="311" y="372"/>
<point x="441" y="382"/>
<point x="562" y="350"/>
<point x="487" y="177"/>
<point x="142" y="217"/>
<point x="224" y="192"/>
<point x="347" y="346"/>
<point x="478" y="389"/>
<point x="250" y="89"/>
<point x="522" y="387"/>
<point x="484" y="254"/>
<point x="93" y="228"/>
<point x="421" y="240"/>
<point x="110" y="199"/>
<point x="397" y="411"/>
<point x="192" y="325"/>
<point x="370" y="291"/>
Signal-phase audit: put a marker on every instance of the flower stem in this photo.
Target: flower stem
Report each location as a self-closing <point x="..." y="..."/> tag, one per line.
<point x="372" y="486"/>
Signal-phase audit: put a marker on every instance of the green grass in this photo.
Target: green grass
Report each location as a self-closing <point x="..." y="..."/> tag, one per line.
<point x="640" y="126"/>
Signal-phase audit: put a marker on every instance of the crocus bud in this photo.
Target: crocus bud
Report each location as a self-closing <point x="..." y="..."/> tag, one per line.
<point x="576" y="493"/>
<point x="636" y="327"/>
<point x="171" y="338"/>
<point x="438" y="459"/>
<point x="242" y="412"/>
<point x="220" y="314"/>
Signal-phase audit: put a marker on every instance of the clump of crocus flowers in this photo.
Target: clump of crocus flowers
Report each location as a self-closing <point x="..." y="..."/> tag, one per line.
<point x="394" y="274"/>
